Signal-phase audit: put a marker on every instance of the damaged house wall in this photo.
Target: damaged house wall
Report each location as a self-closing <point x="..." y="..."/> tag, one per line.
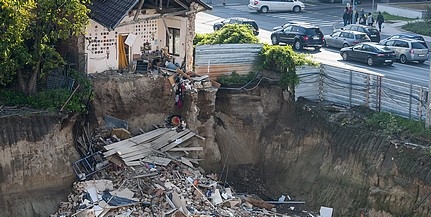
<point x="36" y="153"/>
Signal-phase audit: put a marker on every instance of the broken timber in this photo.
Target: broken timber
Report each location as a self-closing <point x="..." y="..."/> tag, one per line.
<point x="149" y="146"/>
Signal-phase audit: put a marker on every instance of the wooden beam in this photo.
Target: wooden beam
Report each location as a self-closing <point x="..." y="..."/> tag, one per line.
<point x="187" y="149"/>
<point x="152" y="17"/>
<point x="181" y="4"/>
<point x="141" y="3"/>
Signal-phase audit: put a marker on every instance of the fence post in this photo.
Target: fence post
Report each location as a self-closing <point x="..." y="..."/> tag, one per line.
<point x="410" y="101"/>
<point x="350" y="87"/>
<point x="379" y="93"/>
<point x="367" y="90"/>
<point x="321" y="77"/>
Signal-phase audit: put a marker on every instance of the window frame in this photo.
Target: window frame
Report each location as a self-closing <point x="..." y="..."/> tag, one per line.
<point x="173" y="43"/>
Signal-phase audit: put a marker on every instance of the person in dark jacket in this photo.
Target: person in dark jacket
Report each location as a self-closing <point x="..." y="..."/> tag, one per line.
<point x="346" y="16"/>
<point x="380" y="21"/>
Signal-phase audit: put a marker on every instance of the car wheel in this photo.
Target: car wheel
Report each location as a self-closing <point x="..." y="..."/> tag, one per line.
<point x="403" y="59"/>
<point x="370" y="61"/>
<point x="216" y="28"/>
<point x="345" y="56"/>
<point x="297" y="45"/>
<point x="274" y="40"/>
<point x="296" y="9"/>
<point x="264" y="9"/>
<point x="316" y="48"/>
<point x="345" y="45"/>
<point x="421" y="61"/>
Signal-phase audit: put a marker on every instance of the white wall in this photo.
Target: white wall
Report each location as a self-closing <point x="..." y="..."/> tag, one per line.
<point x="102" y="48"/>
<point x="403" y="12"/>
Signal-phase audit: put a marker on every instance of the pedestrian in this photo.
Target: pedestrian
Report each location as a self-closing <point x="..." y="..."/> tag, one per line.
<point x="356" y="18"/>
<point x="346" y="16"/>
<point x="362" y="19"/>
<point x="370" y="19"/>
<point x="350" y="15"/>
<point x="380" y="21"/>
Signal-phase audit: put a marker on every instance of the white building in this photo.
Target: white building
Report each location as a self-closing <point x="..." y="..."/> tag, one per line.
<point x="121" y="31"/>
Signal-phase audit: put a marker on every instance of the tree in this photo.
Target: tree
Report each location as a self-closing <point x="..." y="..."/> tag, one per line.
<point x="283" y="60"/>
<point x="229" y="34"/>
<point x="29" y="32"/>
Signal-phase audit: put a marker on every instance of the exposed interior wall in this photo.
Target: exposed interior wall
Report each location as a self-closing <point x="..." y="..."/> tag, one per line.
<point x="101" y="45"/>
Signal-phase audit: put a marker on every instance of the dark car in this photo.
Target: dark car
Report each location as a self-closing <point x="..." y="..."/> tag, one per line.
<point x="406" y="35"/>
<point x="370" y="53"/>
<point x="372" y="32"/>
<point x="299" y="36"/>
<point x="237" y="20"/>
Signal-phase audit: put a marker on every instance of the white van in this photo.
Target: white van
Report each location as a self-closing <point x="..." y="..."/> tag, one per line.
<point x="265" y="6"/>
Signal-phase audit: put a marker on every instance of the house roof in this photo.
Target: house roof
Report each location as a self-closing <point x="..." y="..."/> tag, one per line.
<point x="109" y="13"/>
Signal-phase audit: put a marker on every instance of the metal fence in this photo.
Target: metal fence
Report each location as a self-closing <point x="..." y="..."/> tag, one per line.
<point x="354" y="88"/>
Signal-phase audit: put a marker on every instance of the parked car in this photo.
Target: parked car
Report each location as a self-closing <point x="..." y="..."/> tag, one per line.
<point x="345" y="38"/>
<point x="406" y="35"/>
<point x="369" y="52"/>
<point x="299" y="36"/>
<point x="237" y="20"/>
<point x="372" y="32"/>
<point x="265" y="6"/>
<point x="408" y="50"/>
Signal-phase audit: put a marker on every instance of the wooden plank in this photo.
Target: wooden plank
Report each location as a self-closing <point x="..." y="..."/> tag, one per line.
<point x="187" y="149"/>
<point x="137" y="154"/>
<point x="144" y="149"/>
<point x="152" y="159"/>
<point x="126" y="150"/>
<point x="137" y="139"/>
<point x="173" y="144"/>
<point x="168" y="139"/>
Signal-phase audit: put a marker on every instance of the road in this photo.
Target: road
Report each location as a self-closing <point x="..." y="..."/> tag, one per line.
<point x="325" y="16"/>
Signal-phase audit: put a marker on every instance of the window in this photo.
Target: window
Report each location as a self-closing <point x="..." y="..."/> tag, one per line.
<point x="418" y="45"/>
<point x="173" y="41"/>
<point x="390" y="43"/>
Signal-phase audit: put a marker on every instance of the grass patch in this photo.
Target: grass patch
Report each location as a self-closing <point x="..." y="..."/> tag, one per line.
<point x="418" y="27"/>
<point x="392" y="124"/>
<point x="390" y="17"/>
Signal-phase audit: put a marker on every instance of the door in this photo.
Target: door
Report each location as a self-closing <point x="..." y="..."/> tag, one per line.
<point x="123" y="52"/>
<point x="331" y="40"/>
<point x="284" y="35"/>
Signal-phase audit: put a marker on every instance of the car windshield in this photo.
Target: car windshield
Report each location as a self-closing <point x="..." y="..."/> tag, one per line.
<point x="361" y="36"/>
<point x="312" y="31"/>
<point x="418" y="45"/>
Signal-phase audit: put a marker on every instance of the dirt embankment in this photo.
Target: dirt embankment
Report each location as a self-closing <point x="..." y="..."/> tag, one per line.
<point x="262" y="143"/>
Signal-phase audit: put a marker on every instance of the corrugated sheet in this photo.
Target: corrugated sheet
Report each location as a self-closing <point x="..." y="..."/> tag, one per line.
<point x="222" y="59"/>
<point x="352" y="88"/>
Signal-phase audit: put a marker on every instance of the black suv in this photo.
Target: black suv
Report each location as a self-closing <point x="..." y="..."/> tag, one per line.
<point x="299" y="36"/>
<point x="237" y="20"/>
<point x="372" y="32"/>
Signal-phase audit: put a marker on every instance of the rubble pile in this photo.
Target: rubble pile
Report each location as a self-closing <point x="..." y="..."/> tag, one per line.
<point x="150" y="190"/>
<point x="152" y="174"/>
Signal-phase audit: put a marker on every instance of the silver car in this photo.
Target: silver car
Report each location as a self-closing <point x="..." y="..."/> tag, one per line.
<point x="408" y="50"/>
<point x="345" y="38"/>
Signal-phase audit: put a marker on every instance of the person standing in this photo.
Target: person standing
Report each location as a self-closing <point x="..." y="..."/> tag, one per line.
<point x="356" y="17"/>
<point x="370" y="19"/>
<point x="380" y="21"/>
<point x="346" y="16"/>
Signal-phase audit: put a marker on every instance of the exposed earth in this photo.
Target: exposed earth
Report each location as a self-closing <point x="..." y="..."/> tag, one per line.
<point x="258" y="141"/>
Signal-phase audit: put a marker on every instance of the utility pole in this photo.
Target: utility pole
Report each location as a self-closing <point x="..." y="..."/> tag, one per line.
<point x="428" y="103"/>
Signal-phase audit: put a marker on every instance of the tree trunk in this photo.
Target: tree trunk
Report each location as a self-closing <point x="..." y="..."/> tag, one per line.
<point x="33" y="79"/>
<point x="21" y="81"/>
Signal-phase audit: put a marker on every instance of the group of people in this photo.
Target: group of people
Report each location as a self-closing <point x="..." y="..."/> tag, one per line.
<point x="352" y="17"/>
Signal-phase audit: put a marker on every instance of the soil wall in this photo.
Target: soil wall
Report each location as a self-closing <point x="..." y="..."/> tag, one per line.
<point x="36" y="155"/>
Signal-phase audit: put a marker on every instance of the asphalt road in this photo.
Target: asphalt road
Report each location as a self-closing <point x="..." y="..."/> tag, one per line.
<point x="326" y="16"/>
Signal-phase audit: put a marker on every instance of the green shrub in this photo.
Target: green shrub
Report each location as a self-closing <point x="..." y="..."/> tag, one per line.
<point x="52" y="99"/>
<point x="236" y="79"/>
<point x="229" y="34"/>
